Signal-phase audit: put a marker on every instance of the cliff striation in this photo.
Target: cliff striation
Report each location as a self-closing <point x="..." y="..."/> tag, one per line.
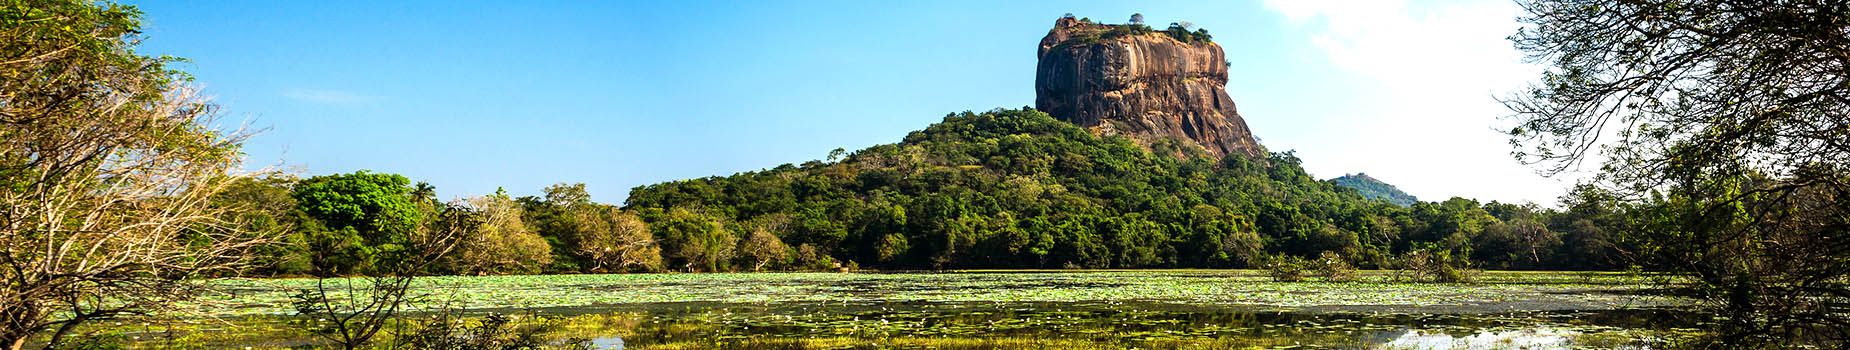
<point x="1142" y="84"/>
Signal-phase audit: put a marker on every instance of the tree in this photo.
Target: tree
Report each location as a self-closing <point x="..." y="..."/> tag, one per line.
<point x="556" y="217"/>
<point x="108" y="163"/>
<point x="763" y="248"/>
<point x="263" y="204"/>
<point x="501" y="244"/>
<point x="608" y="238"/>
<point x="587" y="236"/>
<point x="567" y="194"/>
<point x="695" y="240"/>
<point x="350" y="312"/>
<point x="362" y="218"/>
<point x="1723" y="121"/>
<point x="1137" y="18"/>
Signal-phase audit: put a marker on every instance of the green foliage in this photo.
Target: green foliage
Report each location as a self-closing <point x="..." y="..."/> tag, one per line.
<point x="109" y="161"/>
<point x="1730" y="149"/>
<point x="1001" y="189"/>
<point x="1286" y="268"/>
<point x="358" y="218"/>
<point x="694" y="240"/>
<point x="1010" y="188"/>
<point x="1375" y="189"/>
<point x="1018" y="189"/>
<point x="1089" y="33"/>
<point x="501" y="244"/>
<point x="377" y="204"/>
<point x="586" y="236"/>
<point x="263" y="206"/>
<point x="1180" y="32"/>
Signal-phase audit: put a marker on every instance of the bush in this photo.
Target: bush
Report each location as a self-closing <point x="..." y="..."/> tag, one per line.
<point x="1286" y="268"/>
<point x="1329" y="267"/>
<point x="1428" y="265"/>
<point x="1181" y="33"/>
<point x="1333" y="268"/>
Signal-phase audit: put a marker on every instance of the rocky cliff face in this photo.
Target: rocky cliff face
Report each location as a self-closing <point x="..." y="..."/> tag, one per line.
<point x="1145" y="86"/>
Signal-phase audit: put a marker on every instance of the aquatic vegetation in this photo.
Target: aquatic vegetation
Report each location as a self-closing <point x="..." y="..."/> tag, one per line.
<point x="962" y="327"/>
<point x="1160" y="309"/>
<point x="1239" y="290"/>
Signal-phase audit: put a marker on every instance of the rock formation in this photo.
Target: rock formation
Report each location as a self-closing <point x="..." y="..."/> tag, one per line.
<point x="1145" y="85"/>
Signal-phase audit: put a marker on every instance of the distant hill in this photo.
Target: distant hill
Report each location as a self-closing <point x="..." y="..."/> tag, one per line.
<point x="1375" y="189"/>
<point x="1015" y="188"/>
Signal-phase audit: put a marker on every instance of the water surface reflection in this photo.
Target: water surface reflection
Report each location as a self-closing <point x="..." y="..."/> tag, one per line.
<point x="1071" y="326"/>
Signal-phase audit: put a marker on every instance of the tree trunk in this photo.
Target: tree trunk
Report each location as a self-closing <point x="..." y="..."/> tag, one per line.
<point x="21" y="321"/>
<point x="13" y="343"/>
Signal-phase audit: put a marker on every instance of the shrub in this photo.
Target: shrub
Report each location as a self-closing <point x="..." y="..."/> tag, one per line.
<point x="1332" y="267"/>
<point x="1428" y="265"/>
<point x="1286" y="268"/>
<point x="1180" y="32"/>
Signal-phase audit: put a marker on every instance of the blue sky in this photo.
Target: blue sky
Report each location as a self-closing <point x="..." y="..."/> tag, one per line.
<point x="471" y="96"/>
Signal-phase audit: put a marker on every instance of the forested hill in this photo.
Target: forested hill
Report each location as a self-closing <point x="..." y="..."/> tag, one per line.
<point x="1375" y="189"/>
<point x="1017" y="188"/>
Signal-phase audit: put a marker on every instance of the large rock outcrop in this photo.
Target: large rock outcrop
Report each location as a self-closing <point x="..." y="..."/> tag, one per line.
<point x="1143" y="85"/>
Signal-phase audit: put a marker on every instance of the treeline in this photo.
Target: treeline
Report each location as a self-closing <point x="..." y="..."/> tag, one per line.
<point x="1000" y="189"/>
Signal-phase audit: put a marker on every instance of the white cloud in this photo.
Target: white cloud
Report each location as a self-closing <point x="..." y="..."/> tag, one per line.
<point x="333" y="97"/>
<point x="1442" y="64"/>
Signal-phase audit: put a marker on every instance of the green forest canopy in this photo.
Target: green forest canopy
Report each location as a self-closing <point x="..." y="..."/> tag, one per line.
<point x="1017" y="188"/>
<point x="998" y="189"/>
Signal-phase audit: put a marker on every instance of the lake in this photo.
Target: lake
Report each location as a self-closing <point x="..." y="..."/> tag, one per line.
<point x="1149" y="309"/>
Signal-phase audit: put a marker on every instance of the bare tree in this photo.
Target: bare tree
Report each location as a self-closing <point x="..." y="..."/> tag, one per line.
<point x="107" y="165"/>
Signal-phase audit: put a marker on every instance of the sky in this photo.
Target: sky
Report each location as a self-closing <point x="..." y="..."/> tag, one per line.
<point x="473" y="96"/>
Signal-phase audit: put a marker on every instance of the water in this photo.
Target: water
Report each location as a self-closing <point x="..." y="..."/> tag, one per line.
<point x="1184" y="309"/>
<point x="1538" y="339"/>
<point x="1087" y="326"/>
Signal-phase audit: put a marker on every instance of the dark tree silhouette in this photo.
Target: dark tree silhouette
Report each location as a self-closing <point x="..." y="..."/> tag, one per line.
<point x="1724" y="122"/>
